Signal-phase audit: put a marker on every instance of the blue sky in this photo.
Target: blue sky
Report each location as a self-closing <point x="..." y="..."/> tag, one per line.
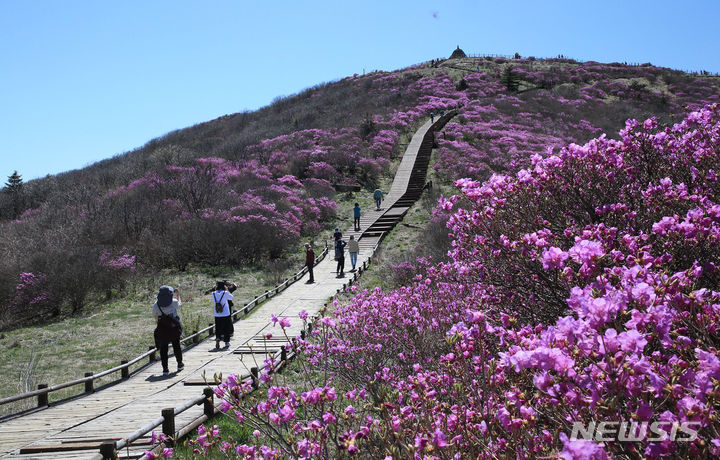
<point x="81" y="81"/>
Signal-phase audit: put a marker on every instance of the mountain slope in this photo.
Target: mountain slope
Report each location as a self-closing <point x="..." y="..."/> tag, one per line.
<point x="245" y="187"/>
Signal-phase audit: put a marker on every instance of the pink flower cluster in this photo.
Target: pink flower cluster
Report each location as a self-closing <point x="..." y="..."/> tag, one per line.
<point x="120" y="262"/>
<point x="582" y="289"/>
<point x="31" y="294"/>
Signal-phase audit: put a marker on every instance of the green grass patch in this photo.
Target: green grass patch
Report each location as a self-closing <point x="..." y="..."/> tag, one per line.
<point x="405" y="242"/>
<point x="232" y="431"/>
<point x="296" y="375"/>
<point x="109" y="331"/>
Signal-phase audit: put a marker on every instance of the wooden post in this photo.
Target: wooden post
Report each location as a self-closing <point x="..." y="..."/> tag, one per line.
<point x="209" y="406"/>
<point x="254" y="375"/>
<point x="196" y="337"/>
<point x="310" y="328"/>
<point x="108" y="450"/>
<point x="90" y="384"/>
<point x="283" y="354"/>
<point x="212" y="329"/>
<point x="125" y="372"/>
<point x="152" y="355"/>
<point x="42" y="398"/>
<point x="168" y="425"/>
<point x="302" y="334"/>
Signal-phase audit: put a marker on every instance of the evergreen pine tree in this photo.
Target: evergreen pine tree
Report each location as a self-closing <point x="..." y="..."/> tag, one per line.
<point x="510" y="80"/>
<point x="367" y="127"/>
<point x="14" y="183"/>
<point x="14" y="188"/>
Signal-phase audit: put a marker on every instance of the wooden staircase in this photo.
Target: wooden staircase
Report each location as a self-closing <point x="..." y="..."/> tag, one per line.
<point x="415" y="186"/>
<point x="119" y="418"/>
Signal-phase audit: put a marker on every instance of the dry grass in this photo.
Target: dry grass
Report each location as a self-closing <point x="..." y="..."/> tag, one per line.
<point x="107" y="333"/>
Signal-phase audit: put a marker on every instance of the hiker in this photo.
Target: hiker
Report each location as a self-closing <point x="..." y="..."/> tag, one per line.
<point x="340" y="257"/>
<point x="378" y="195"/>
<point x="432" y="117"/>
<point x="231" y="287"/>
<point x="309" y="261"/>
<point x="221" y="309"/>
<point x="356" y="217"/>
<point x="169" y="327"/>
<point x="353" y="249"/>
<point x="337" y="234"/>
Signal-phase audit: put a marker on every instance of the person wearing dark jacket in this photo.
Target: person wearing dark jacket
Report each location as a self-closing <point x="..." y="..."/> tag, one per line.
<point x="378" y="196"/>
<point x="168" y="307"/>
<point x="309" y="261"/>
<point x="340" y="257"/>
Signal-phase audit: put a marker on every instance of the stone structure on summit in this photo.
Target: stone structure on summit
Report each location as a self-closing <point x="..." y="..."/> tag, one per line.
<point x="458" y="54"/>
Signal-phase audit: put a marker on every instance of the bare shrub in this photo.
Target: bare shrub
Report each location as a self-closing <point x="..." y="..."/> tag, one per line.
<point x="275" y="270"/>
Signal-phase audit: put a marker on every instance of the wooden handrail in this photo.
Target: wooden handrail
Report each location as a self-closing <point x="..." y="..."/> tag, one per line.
<point x="279" y="360"/>
<point x="283" y="352"/>
<point x="145" y="429"/>
<point x="246" y="310"/>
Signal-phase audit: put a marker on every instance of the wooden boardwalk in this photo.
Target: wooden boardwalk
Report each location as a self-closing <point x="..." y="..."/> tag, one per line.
<point x="75" y="429"/>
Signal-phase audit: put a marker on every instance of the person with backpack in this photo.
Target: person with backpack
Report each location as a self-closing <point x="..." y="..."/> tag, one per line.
<point x="310" y="261"/>
<point x="340" y="257"/>
<point x="356" y="217"/>
<point x="337" y="234"/>
<point x="169" y="327"/>
<point x="353" y="249"/>
<point x="221" y="310"/>
<point x="231" y="287"/>
<point x="378" y="195"/>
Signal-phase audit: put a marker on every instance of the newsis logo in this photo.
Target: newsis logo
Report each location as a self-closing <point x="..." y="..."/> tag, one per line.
<point x="624" y="431"/>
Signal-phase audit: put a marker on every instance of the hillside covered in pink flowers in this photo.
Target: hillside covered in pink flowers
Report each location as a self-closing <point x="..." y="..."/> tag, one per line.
<point x="246" y="188"/>
<point x="582" y="288"/>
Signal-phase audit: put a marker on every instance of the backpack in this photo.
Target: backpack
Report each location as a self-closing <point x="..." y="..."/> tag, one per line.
<point x="168" y="328"/>
<point x="218" y="303"/>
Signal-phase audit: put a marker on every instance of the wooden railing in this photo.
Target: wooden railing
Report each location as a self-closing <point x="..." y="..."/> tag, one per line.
<point x="700" y="73"/>
<point x="108" y="450"/>
<point x="43" y="391"/>
<point x="166" y="421"/>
